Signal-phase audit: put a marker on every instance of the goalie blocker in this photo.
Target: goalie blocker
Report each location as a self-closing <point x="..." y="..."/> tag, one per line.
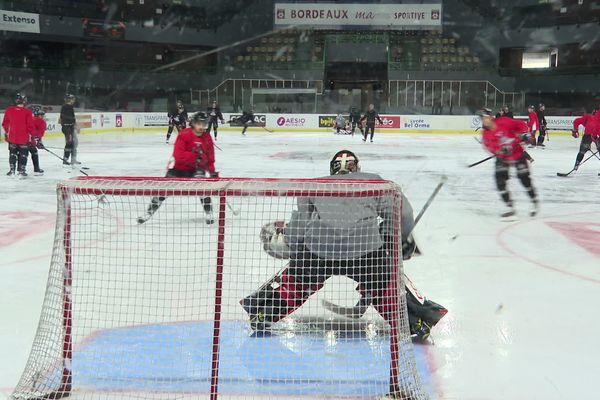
<point x="343" y="236"/>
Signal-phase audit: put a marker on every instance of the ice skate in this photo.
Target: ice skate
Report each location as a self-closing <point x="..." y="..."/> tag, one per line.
<point x="38" y="172"/>
<point x="535" y="209"/>
<point x="144" y="219"/>
<point x="257" y="316"/>
<point x="510" y="213"/>
<point x="420" y="330"/>
<point x="11" y="172"/>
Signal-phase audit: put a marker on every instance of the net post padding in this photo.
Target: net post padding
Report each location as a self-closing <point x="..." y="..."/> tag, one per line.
<point x="111" y="279"/>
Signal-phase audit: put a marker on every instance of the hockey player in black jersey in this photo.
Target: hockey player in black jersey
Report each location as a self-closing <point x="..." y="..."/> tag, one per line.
<point x="177" y="118"/>
<point x="69" y="129"/>
<point x="370" y="116"/>
<point x="214" y="116"/>
<point x="543" y="125"/>
<point x="247" y="118"/>
<point x="354" y="119"/>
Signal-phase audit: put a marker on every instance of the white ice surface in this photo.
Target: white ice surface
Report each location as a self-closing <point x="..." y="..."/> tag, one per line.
<point x="523" y="297"/>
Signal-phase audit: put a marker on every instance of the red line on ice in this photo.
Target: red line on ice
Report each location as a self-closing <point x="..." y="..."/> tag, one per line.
<point x="505" y="246"/>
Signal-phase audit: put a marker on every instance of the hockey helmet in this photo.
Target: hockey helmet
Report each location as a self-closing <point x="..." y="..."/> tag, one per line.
<point x="198" y="117"/>
<point x="38" y="112"/>
<point x="485" y="112"/>
<point x="344" y="162"/>
<point x="20" y="99"/>
<point x="70" y="98"/>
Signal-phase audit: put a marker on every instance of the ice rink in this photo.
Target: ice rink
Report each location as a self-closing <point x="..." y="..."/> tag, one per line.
<point x="522" y="296"/>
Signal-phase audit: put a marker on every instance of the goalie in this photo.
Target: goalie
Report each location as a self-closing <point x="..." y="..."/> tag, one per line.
<point x="341" y="126"/>
<point x="338" y="236"/>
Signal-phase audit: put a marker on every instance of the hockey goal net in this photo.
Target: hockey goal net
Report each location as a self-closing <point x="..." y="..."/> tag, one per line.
<point x="153" y="310"/>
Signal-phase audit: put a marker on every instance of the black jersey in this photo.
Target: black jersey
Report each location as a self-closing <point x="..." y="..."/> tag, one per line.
<point x="354" y="117"/>
<point x="179" y="117"/>
<point x="541" y="119"/>
<point x="214" y="114"/>
<point x="371" y="116"/>
<point x="67" y="115"/>
<point x="247" y="117"/>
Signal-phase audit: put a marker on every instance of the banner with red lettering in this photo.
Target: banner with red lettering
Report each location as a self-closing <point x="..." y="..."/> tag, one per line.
<point x="335" y="15"/>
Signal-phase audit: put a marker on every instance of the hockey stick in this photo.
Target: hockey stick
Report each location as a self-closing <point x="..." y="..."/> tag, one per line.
<point x="481" y="161"/>
<point x="268" y="130"/>
<point x="564" y="175"/>
<point x="233" y="210"/>
<point x="65" y="161"/>
<point x="361" y="307"/>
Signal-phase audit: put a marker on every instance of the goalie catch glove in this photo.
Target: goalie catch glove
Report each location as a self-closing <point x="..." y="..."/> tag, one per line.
<point x="272" y="236"/>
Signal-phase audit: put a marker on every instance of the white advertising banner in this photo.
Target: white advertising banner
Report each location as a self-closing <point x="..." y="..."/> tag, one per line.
<point x="335" y="15"/>
<point x="560" y="123"/>
<point x="19" y="22"/>
<point x="132" y="122"/>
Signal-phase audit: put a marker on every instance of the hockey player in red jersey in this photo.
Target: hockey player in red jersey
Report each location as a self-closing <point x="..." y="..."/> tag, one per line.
<point x="193" y="157"/>
<point x="591" y="124"/>
<point x="18" y="125"/>
<point x="504" y="137"/>
<point x="533" y="124"/>
<point x="39" y="129"/>
<point x="339" y="236"/>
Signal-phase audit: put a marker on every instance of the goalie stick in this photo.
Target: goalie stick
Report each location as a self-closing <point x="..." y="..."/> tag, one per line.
<point x="361" y="307"/>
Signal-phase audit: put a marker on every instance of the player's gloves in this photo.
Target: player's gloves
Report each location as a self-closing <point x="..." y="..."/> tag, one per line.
<point x="574" y="133"/>
<point x="274" y="241"/>
<point x="39" y="144"/>
<point x="525" y="136"/>
<point x="504" y="150"/>
<point x="214" y="174"/>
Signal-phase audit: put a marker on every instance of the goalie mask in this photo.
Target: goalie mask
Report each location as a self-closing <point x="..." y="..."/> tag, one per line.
<point x="344" y="162"/>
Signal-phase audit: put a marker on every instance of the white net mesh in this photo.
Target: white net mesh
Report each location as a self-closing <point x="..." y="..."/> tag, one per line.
<point x="157" y="309"/>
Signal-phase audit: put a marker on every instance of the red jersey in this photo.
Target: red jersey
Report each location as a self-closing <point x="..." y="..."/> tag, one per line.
<point x="505" y="140"/>
<point x="533" y="123"/>
<point x="590" y="122"/>
<point x="194" y="152"/>
<point x="17" y="124"/>
<point x="583" y="120"/>
<point x="39" y="127"/>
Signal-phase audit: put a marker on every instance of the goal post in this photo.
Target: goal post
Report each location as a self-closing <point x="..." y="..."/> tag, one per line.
<point x="156" y="310"/>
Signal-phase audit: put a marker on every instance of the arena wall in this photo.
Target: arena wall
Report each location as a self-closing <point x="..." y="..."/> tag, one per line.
<point x="115" y="122"/>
